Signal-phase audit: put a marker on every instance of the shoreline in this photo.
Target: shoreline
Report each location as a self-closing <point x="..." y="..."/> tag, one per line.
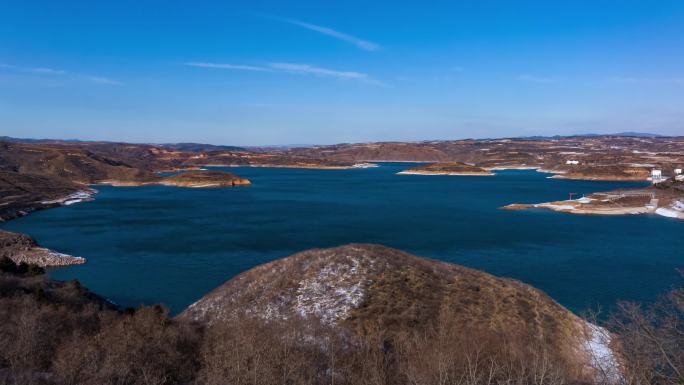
<point x="296" y="166"/>
<point x="569" y="208"/>
<point x="446" y="173"/>
<point x="78" y="196"/>
<point x="575" y="207"/>
<point x="596" y="178"/>
<point x="22" y="248"/>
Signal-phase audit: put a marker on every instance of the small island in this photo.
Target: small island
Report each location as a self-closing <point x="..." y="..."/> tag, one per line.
<point x="190" y="179"/>
<point x="448" y="168"/>
<point x="203" y="179"/>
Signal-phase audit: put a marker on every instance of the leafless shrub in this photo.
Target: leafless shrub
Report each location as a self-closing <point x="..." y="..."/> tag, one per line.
<point x="144" y="348"/>
<point x="58" y="337"/>
<point x="448" y="353"/>
<point x="652" y="340"/>
<point x="252" y="351"/>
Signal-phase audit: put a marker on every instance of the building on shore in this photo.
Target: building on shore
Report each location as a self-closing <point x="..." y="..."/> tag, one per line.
<point x="656" y="175"/>
<point x="678" y="174"/>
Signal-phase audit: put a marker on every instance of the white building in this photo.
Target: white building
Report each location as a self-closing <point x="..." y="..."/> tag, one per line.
<point x="678" y="174"/>
<point x="656" y="175"/>
<point x="572" y="162"/>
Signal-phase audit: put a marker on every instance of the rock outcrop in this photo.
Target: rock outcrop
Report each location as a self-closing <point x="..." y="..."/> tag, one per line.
<point x="22" y="248"/>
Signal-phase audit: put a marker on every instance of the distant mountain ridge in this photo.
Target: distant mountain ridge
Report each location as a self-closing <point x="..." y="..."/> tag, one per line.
<point x="626" y="134"/>
<point x="181" y="146"/>
<point x="204" y="147"/>
<point x="200" y="147"/>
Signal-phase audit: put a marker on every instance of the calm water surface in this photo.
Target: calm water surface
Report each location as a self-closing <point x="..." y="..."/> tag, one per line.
<point x="171" y="245"/>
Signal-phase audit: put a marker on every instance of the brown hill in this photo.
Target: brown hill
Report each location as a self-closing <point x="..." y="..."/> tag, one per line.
<point x="361" y="284"/>
<point x="70" y="163"/>
<point x="607" y="172"/>
<point x="364" y="288"/>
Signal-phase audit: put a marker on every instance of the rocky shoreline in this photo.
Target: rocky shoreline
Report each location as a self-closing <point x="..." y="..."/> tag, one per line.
<point x="23" y="194"/>
<point x="21" y="248"/>
<point x="77" y="197"/>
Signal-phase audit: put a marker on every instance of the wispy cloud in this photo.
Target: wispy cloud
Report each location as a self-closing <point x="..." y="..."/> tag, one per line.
<point x="226" y="66"/>
<point x="317" y="71"/>
<point x="58" y="72"/>
<point x="642" y="80"/>
<point x="360" y="43"/>
<point x="293" y="68"/>
<point x="537" y="79"/>
<point x="101" y="80"/>
<point x="44" y="70"/>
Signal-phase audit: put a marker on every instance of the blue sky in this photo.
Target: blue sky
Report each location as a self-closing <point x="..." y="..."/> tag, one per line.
<point x="288" y="72"/>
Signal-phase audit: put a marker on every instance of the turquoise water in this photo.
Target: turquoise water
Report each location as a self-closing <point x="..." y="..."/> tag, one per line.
<point x="172" y="245"/>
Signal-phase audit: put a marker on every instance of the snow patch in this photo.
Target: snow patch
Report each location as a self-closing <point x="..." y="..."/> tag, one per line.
<point x="670" y="213"/>
<point x="78" y="196"/>
<point x="603" y="358"/>
<point x="676" y="210"/>
<point x="332" y="293"/>
<point x="677" y="205"/>
<point x="365" y="165"/>
<point x="558" y="207"/>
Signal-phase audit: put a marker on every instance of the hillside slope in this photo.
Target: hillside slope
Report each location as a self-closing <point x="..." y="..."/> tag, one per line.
<point x="70" y="163"/>
<point x="363" y="288"/>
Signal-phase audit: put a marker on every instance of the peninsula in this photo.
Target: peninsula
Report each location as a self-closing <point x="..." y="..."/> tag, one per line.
<point x="665" y="198"/>
<point x="21" y="248"/>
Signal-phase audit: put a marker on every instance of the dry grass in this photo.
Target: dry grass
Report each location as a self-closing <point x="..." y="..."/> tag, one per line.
<point x="469" y="328"/>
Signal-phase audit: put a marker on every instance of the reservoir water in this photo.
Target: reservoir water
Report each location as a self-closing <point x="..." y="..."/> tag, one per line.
<point x="169" y="245"/>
